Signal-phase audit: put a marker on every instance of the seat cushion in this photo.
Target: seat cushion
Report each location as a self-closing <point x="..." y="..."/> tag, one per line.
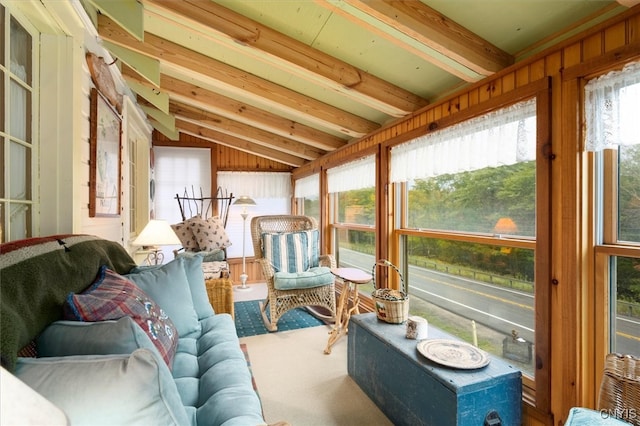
<point x="314" y="277"/>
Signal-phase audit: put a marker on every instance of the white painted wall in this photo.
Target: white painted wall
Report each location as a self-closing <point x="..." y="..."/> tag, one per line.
<point x="64" y="99"/>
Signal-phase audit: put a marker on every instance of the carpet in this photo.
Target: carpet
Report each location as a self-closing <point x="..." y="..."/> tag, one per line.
<point x="249" y="319"/>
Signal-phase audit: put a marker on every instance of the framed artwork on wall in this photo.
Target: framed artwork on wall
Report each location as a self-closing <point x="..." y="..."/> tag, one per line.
<point x="105" y="152"/>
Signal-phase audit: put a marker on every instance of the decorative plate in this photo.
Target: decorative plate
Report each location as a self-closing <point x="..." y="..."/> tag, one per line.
<point x="452" y="353"/>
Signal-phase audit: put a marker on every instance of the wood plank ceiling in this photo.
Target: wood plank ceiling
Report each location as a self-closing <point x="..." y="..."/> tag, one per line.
<point x="292" y="80"/>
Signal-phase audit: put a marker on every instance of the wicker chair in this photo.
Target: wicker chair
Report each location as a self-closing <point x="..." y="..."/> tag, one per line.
<point x="620" y="388"/>
<point x="280" y="299"/>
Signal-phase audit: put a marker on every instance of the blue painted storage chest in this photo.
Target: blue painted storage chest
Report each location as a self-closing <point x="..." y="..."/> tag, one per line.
<point x="412" y="390"/>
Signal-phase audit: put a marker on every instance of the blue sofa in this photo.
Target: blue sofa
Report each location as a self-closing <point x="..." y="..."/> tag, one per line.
<point x="115" y="371"/>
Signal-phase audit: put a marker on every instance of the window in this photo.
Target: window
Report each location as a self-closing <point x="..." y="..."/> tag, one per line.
<point x="473" y="228"/>
<point x="352" y="205"/>
<point x="307" y="194"/>
<point x="177" y="170"/>
<point x="18" y="149"/>
<point x="612" y="102"/>
<point x="272" y="193"/>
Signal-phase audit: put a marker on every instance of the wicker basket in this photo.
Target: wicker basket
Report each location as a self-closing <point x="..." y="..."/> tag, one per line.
<point x="392" y="306"/>
<point x="220" y="292"/>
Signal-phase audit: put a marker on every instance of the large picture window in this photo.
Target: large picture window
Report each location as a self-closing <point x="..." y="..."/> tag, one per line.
<point x="470" y="231"/>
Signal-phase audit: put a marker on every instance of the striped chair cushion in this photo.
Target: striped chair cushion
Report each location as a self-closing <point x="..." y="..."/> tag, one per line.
<point x="291" y="251"/>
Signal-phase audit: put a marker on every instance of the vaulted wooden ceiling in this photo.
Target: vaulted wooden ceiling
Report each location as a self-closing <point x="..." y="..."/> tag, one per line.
<point x="292" y="80"/>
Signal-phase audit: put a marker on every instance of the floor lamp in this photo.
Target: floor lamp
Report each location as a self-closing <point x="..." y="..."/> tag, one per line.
<point x="244" y="201"/>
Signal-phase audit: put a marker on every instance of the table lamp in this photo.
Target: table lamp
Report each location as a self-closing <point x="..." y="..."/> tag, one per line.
<point x="244" y="201"/>
<point x="156" y="233"/>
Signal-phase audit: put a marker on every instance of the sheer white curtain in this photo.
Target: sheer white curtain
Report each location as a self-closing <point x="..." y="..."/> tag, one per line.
<point x="502" y="137"/>
<point x="356" y="174"/>
<point x="270" y="190"/>
<point x="308" y="186"/>
<point x="612" y="109"/>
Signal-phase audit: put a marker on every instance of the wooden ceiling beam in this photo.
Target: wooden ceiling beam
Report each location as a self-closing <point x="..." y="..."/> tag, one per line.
<point x="237" y="143"/>
<point x="436" y="31"/>
<point x="240" y="112"/>
<point x="239" y="82"/>
<point x="293" y="56"/>
<point x="233" y="128"/>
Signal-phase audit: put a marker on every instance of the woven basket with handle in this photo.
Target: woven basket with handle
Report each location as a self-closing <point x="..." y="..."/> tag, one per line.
<point x="392" y="306"/>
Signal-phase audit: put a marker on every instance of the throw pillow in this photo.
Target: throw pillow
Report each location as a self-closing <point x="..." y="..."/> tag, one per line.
<point x="112" y="297"/>
<point x="65" y="338"/>
<point x="168" y="285"/>
<point x="287" y="252"/>
<point x="210" y="234"/>
<point x="185" y="235"/>
<point x="193" y="266"/>
<point x="132" y="389"/>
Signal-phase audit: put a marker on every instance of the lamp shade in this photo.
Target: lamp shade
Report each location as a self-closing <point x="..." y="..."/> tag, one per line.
<point x="244" y="200"/>
<point x="157" y="233"/>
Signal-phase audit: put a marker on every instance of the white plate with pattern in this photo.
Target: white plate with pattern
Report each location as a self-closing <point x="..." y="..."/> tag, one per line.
<point x="452" y="353"/>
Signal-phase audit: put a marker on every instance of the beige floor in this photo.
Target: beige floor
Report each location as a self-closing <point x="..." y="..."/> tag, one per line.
<point x="300" y="384"/>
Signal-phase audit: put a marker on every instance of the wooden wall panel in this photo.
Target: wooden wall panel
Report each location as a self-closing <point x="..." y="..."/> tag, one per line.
<point x="227" y="158"/>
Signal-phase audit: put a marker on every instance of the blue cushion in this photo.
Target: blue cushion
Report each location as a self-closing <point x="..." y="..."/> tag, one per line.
<point x="169" y="287"/>
<point x="585" y="417"/>
<point x="314" y="277"/>
<point x="107" y="389"/>
<point x="64" y="338"/>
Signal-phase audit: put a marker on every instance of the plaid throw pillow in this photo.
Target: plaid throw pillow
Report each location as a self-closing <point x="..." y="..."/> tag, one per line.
<point x="112" y="297"/>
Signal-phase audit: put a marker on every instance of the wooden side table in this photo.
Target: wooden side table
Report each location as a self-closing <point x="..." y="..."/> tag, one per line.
<point x="220" y="292"/>
<point x="351" y="277"/>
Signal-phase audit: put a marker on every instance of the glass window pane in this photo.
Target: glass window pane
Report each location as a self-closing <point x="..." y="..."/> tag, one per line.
<point x="2" y="111"/>
<point x="356" y="249"/>
<point x="312" y="207"/>
<point x="357" y="206"/>
<point x="454" y="283"/>
<point x="629" y="193"/>
<point x="5" y="168"/>
<point x="19" y="221"/>
<point x="20" y="178"/>
<point x="625" y="329"/>
<point x="20" y="103"/>
<point x="494" y="200"/>
<point x="2" y="37"/>
<point x="20" y="52"/>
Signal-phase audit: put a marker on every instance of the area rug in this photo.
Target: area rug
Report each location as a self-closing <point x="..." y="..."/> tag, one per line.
<point x="243" y="346"/>
<point x="249" y="319"/>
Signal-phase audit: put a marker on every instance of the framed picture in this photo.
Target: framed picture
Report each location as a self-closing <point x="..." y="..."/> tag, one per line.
<point x="104" y="167"/>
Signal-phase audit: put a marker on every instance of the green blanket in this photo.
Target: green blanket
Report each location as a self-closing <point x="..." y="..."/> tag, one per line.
<point x="36" y="275"/>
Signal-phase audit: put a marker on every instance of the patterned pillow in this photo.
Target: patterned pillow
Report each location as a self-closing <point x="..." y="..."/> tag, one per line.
<point x="287" y="252"/>
<point x="185" y="234"/>
<point x="209" y="234"/>
<point x="112" y="297"/>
